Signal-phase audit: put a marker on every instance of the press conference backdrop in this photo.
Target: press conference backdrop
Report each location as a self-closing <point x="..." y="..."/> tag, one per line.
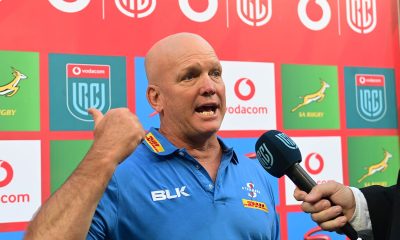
<point x="324" y="72"/>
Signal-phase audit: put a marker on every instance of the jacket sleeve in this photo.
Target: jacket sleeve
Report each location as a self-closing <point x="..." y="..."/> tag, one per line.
<point x="383" y="207"/>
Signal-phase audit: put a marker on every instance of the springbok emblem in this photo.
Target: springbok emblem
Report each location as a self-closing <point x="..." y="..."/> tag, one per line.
<point x="379" y="167"/>
<point x="12" y="87"/>
<point x="317" y="96"/>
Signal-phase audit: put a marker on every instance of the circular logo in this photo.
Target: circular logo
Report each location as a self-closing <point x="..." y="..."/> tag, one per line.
<point x="239" y="89"/>
<point x="314" y="163"/>
<point x="76" y="70"/>
<point x="9" y="173"/>
<point x="198" y="16"/>
<point x="306" y="20"/>
<point x="70" y="7"/>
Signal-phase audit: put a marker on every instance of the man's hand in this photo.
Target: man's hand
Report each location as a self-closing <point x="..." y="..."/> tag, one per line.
<point x="66" y="216"/>
<point x="322" y="212"/>
<point x="116" y="134"/>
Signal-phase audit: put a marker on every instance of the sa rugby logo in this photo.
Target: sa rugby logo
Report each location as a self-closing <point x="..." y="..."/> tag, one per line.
<point x="12" y="87"/>
<point x="87" y="86"/>
<point x="370" y="96"/>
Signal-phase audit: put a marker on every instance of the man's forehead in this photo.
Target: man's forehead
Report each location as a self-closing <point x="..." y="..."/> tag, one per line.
<point x="198" y="59"/>
<point x="178" y="50"/>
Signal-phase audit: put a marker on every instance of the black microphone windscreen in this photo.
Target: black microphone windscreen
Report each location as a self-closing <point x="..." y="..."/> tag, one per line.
<point x="277" y="152"/>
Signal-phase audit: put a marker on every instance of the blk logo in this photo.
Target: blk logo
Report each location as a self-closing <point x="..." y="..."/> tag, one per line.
<point x="161" y="195"/>
<point x="314" y="163"/>
<point x="88" y="86"/>
<point x="7" y="172"/>
<point x="361" y="15"/>
<point x="318" y="24"/>
<point x="244" y="89"/>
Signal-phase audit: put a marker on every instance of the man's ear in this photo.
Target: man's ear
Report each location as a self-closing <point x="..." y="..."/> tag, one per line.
<point x="154" y="97"/>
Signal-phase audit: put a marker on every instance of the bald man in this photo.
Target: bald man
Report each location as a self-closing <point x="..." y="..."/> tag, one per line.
<point x="180" y="181"/>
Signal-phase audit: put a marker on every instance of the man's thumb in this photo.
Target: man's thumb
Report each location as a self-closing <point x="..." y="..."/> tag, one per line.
<point x="96" y="114"/>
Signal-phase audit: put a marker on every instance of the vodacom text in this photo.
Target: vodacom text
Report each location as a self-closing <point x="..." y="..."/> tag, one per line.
<point x="15" y="198"/>
<point x="6" y="177"/>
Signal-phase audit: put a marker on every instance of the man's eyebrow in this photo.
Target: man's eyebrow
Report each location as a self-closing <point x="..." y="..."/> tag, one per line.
<point x="191" y="67"/>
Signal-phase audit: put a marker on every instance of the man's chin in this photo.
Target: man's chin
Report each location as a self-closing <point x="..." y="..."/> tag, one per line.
<point x="210" y="129"/>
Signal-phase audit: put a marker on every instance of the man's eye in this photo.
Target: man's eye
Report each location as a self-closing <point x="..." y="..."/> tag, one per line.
<point x="215" y="73"/>
<point x="189" y="76"/>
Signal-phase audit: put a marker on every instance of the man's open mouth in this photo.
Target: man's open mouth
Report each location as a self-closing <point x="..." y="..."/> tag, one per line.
<point x="207" y="109"/>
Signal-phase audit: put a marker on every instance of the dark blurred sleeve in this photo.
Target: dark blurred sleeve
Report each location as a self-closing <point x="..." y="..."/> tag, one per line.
<point x="384" y="210"/>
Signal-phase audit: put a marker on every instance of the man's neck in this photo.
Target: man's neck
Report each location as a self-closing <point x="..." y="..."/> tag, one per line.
<point x="205" y="149"/>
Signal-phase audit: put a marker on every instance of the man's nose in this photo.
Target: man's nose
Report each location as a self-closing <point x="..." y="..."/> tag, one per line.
<point x="208" y="86"/>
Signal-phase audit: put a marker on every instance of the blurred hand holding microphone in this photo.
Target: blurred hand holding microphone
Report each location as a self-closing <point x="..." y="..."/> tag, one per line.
<point x="279" y="155"/>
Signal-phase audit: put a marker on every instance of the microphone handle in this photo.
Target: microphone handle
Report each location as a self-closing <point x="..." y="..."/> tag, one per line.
<point x="304" y="182"/>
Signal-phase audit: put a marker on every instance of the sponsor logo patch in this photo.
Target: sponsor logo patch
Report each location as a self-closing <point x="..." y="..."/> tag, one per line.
<point x="154" y="143"/>
<point x="255" y="205"/>
<point x="166" y="194"/>
<point x="252" y="190"/>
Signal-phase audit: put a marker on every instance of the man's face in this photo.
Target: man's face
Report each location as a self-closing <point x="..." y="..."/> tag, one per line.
<point x="192" y="92"/>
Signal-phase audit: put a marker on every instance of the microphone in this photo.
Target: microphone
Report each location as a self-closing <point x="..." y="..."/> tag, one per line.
<point x="279" y="155"/>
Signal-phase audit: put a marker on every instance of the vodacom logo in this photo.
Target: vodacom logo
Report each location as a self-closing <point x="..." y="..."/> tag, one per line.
<point x="246" y="92"/>
<point x="314" y="163"/>
<point x="76" y="70"/>
<point x="5" y="167"/>
<point x="70" y="6"/>
<point x="199" y="16"/>
<point x="315" y="25"/>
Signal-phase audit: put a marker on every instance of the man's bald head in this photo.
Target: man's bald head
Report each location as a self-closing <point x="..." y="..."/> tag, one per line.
<point x="170" y="50"/>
